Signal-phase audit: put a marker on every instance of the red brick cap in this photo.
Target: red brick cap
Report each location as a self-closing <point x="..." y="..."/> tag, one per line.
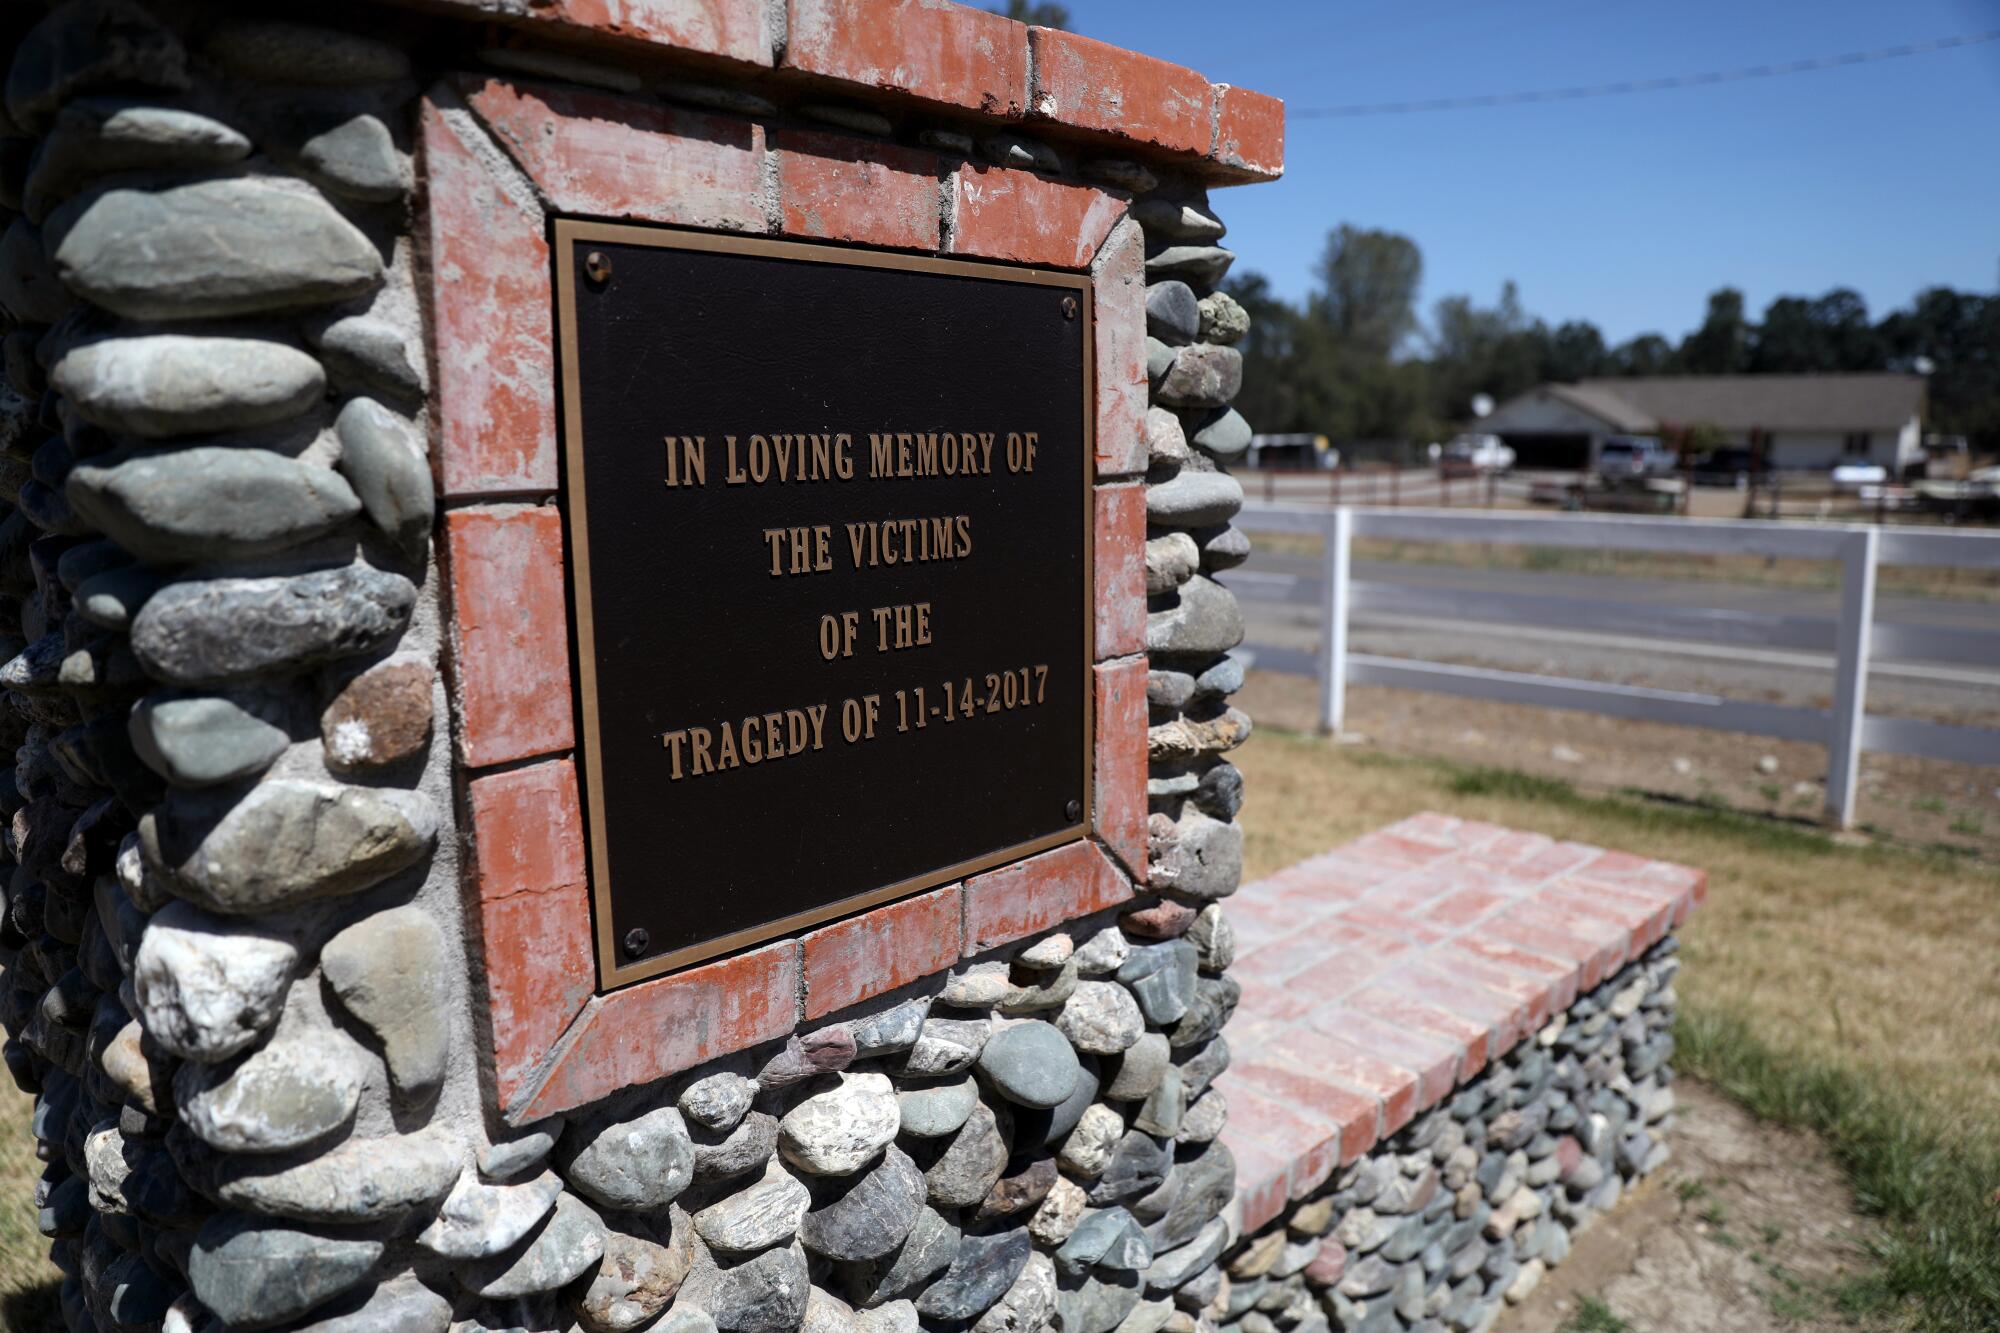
<point x="1380" y="976"/>
<point x="908" y="54"/>
<point x="732" y="30"/>
<point x="938" y="51"/>
<point x="1092" y="85"/>
<point x="1249" y="133"/>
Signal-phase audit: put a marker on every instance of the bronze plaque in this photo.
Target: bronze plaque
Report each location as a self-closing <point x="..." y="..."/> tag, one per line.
<point x="829" y="523"/>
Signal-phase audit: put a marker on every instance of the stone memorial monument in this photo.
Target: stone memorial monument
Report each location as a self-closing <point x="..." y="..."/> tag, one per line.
<point x="618" y="703"/>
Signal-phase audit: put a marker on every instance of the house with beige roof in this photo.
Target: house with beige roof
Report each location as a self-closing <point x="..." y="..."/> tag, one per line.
<point x="1802" y="422"/>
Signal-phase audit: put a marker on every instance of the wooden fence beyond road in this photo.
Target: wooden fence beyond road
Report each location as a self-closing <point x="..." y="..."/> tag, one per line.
<point x="1846" y="729"/>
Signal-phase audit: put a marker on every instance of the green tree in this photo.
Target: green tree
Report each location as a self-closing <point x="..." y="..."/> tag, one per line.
<point x="1272" y="376"/>
<point x="1830" y="333"/>
<point x="1368" y="289"/>
<point x="1647" y="354"/>
<point x="1958" y="333"/>
<point x="1334" y="366"/>
<point x="1787" y="340"/>
<point x="1576" y="352"/>
<point x="1498" y="351"/>
<point x="1302" y="374"/>
<point x="1042" y="14"/>
<point x="1851" y="341"/>
<point x="1341" y="363"/>
<point x="1721" y="346"/>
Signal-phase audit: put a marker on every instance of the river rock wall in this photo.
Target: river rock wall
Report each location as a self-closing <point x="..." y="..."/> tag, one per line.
<point x="238" y="975"/>
<point x="1461" y="1213"/>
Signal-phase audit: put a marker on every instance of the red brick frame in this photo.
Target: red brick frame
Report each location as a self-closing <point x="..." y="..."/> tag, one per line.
<point x="501" y="158"/>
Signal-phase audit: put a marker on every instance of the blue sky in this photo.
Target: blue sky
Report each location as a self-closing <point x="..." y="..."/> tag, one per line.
<point x="1625" y="211"/>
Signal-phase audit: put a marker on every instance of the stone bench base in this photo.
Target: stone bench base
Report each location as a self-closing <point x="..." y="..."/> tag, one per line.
<point x="1452" y="1051"/>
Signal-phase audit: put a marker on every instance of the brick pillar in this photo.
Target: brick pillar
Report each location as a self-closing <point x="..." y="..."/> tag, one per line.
<point x="296" y="934"/>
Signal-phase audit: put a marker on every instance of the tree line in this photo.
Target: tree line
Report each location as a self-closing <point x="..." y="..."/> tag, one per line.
<point x="1354" y="362"/>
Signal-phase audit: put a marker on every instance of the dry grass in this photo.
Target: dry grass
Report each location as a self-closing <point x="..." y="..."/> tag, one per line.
<point x="1845" y="989"/>
<point x="1975" y="585"/>
<point x="27" y="1278"/>
<point x="1879" y="957"/>
<point x="1920" y="803"/>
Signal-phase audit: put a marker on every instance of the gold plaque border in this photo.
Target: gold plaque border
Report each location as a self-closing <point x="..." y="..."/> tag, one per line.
<point x="566" y="233"/>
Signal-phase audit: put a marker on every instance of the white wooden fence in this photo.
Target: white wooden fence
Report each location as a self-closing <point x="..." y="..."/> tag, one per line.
<point x="1846" y="729"/>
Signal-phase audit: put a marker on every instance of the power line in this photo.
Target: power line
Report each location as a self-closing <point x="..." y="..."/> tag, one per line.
<point x="1630" y="86"/>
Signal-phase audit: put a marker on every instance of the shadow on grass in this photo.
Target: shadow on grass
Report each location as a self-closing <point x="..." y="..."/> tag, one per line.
<point x="1933" y="1187"/>
<point x="1665" y="812"/>
<point x="1714" y="805"/>
<point x="33" y="1309"/>
<point x="1634" y="805"/>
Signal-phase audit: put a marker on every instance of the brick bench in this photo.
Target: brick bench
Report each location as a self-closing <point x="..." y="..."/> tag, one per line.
<point x="1380" y="977"/>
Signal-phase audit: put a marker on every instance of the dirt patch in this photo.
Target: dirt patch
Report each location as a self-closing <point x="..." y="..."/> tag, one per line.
<point x="1920" y="802"/>
<point x="1749" y="1229"/>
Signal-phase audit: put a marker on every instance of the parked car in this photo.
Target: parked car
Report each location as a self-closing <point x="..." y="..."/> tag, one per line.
<point x="1626" y="456"/>
<point x="1853" y="476"/>
<point x="1479" y="453"/>
<point x="1292" y="452"/>
<point x="1943" y="458"/>
<point x="1976" y="499"/>
<point x="1731" y="465"/>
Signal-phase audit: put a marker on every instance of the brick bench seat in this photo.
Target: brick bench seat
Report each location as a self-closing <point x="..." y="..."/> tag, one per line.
<point x="1379" y="976"/>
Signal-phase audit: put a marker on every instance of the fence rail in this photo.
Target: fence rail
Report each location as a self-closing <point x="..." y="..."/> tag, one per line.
<point x="1383" y="485"/>
<point x="1846" y="729"/>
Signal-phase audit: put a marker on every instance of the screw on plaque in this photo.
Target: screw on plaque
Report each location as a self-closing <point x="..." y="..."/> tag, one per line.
<point x="597" y="266"/>
<point x="636" y="940"/>
<point x="1069" y="307"/>
<point x="1073" y="811"/>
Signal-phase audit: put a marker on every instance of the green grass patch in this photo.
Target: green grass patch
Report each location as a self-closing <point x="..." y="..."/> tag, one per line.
<point x="1932" y="1189"/>
<point x="1513" y="786"/>
<point x="1650" y="813"/>
<point x="1594" y="1316"/>
<point x="1638" y="810"/>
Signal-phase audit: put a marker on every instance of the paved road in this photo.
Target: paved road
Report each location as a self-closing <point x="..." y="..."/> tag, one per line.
<point x="1958" y="693"/>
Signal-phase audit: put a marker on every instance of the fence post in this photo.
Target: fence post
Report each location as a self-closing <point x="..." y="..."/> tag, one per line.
<point x="1850" y="685"/>
<point x="1333" y="623"/>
